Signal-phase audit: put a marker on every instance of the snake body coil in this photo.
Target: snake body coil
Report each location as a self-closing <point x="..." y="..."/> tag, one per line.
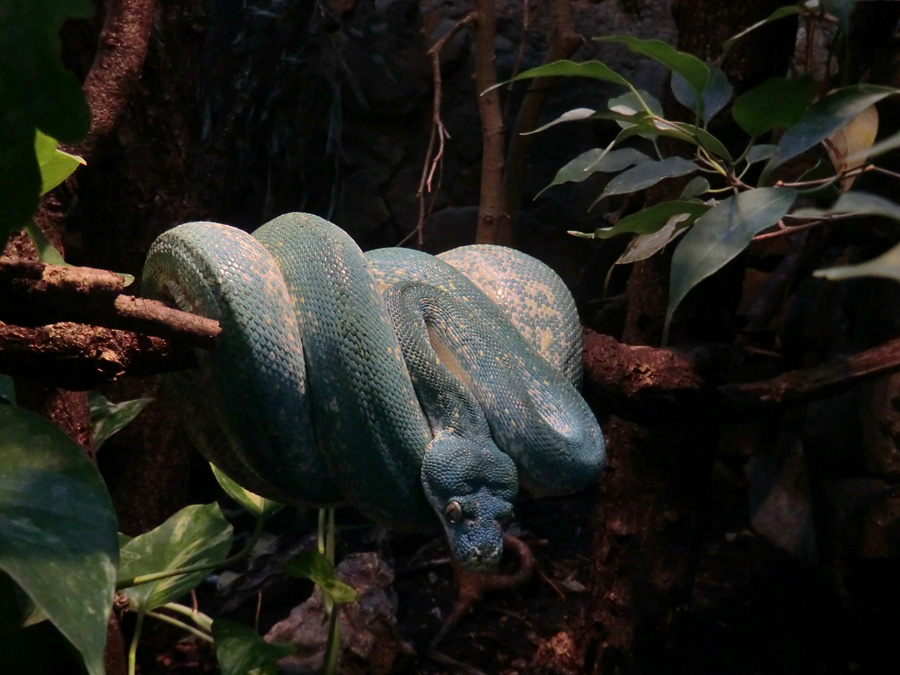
<point x="396" y="382"/>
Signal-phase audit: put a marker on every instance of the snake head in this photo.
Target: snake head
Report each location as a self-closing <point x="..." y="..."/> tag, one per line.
<point x="470" y="486"/>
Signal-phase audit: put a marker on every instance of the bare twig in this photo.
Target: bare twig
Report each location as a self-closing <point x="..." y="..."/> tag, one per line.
<point x="433" y="159"/>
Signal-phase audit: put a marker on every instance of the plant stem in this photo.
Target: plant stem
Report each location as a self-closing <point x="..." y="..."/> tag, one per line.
<point x="333" y="648"/>
<point x="132" y="648"/>
<point x="203" y="635"/>
<point x="199" y="618"/>
<point x="200" y="567"/>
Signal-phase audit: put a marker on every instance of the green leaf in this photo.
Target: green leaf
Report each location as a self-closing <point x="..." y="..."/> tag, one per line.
<point x="55" y="165"/>
<point x="759" y="152"/>
<point x="892" y="142"/>
<point x="653" y="218"/>
<point x="646" y="174"/>
<point x="779" y="13"/>
<point x="648" y="127"/>
<point x="715" y="96"/>
<point x="58" y="530"/>
<point x="823" y="118"/>
<point x="574" y="115"/>
<point x="36" y="92"/>
<point x="598" y="159"/>
<point x="241" y="651"/>
<point x="636" y="102"/>
<point x="776" y="103"/>
<point x="196" y="535"/>
<point x="46" y="251"/>
<point x="7" y="390"/>
<point x="250" y="501"/>
<point x="886" y="265"/>
<point x="645" y="245"/>
<point x="593" y="69"/>
<point x="698" y="185"/>
<point x="720" y="235"/>
<point x="314" y="566"/>
<point x="692" y="69"/>
<point x="859" y="203"/>
<point x="108" y="418"/>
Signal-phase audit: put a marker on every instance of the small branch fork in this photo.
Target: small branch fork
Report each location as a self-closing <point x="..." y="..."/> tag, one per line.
<point x="434" y="155"/>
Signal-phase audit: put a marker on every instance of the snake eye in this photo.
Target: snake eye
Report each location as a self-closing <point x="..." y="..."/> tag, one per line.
<point x="453" y="512"/>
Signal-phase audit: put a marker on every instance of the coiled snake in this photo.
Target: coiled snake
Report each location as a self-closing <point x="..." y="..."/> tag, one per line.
<point x="391" y="381"/>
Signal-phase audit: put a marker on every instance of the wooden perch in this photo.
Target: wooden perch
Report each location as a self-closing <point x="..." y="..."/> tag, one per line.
<point x="74" y="327"/>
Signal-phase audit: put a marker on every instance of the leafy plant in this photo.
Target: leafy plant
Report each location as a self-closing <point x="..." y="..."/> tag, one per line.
<point x="731" y="200"/>
<point x="39" y="95"/>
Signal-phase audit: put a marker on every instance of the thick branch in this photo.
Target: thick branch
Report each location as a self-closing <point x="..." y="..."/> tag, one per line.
<point x="32" y="294"/>
<point x="121" y="51"/>
<point x="493" y="217"/>
<point x="77" y="357"/>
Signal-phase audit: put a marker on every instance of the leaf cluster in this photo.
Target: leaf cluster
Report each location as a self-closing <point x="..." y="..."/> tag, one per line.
<point x="730" y="200"/>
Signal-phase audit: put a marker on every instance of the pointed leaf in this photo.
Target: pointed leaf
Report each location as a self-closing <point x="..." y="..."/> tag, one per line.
<point x="715" y="96"/>
<point x="697" y="186"/>
<point x="595" y="160"/>
<point x="779" y="13"/>
<point x="860" y="203"/>
<point x="759" y="152"/>
<point x="593" y="69"/>
<point x="241" y="651"/>
<point x="823" y="118"/>
<point x="654" y="217"/>
<point x="108" y="418"/>
<point x="316" y="567"/>
<point x="648" y="173"/>
<point x="197" y="534"/>
<point x="573" y="115"/>
<point x="720" y="235"/>
<point x="636" y="102"/>
<point x="37" y="93"/>
<point x="892" y="142"/>
<point x="776" y="103"/>
<point x="55" y="165"/>
<point x="692" y="69"/>
<point x="886" y="265"/>
<point x="250" y="501"/>
<point x="645" y="245"/>
<point x="58" y="530"/>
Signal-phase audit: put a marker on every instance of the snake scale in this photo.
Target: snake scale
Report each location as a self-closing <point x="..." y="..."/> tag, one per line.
<point x="407" y="385"/>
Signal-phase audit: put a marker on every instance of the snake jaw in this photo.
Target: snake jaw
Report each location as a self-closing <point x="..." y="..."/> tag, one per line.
<point x="470" y="486"/>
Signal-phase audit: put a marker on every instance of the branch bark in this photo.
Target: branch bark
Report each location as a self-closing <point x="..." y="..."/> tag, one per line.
<point x="493" y="215"/>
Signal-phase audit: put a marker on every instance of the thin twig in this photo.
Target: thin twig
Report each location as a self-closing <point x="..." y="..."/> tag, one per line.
<point x="433" y="160"/>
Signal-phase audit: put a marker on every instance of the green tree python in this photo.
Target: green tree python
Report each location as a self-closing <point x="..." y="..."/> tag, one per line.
<point x="408" y="385"/>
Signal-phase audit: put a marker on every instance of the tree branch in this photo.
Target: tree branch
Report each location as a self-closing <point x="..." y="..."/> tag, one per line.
<point x="32" y="294"/>
<point x="493" y="216"/>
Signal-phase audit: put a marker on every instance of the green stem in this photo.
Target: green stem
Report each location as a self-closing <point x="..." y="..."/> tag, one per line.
<point x="203" y="635"/>
<point x="320" y="540"/>
<point x="200" y="567"/>
<point x="198" y="617"/>
<point x="333" y="648"/>
<point x="132" y="648"/>
<point x="329" y="537"/>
